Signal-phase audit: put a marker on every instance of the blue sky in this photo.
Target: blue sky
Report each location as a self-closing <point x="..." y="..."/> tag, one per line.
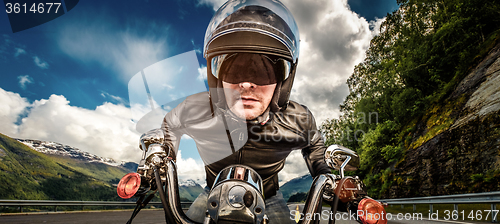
<point x="82" y="77"/>
<point x="67" y="80"/>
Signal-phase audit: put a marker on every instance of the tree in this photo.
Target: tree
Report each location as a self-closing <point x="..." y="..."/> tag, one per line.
<point x="422" y="52"/>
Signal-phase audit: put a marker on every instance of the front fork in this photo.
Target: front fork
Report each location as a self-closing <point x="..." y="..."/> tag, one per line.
<point x="314" y="201"/>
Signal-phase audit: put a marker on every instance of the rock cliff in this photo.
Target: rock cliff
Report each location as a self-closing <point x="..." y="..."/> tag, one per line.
<point x="455" y="148"/>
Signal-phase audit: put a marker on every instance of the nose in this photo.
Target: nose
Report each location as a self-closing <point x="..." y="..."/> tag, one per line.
<point x="247" y="85"/>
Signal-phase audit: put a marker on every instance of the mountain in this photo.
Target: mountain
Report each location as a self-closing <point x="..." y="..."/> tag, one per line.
<point x="53" y="148"/>
<point x="100" y="168"/>
<point x="30" y="175"/>
<point x="189" y="190"/>
<point x="297" y="185"/>
<point x="51" y="170"/>
<point x="41" y="170"/>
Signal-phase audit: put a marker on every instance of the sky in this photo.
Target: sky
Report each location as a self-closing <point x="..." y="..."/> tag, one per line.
<point x="67" y="80"/>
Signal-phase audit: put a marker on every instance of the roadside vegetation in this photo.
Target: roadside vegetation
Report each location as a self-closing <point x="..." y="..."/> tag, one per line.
<point x="403" y="86"/>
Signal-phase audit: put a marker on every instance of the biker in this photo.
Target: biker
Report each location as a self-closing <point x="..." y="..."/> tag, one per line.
<point x="252" y="50"/>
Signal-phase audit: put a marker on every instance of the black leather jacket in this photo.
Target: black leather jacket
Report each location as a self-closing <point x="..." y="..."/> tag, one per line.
<point x="222" y="139"/>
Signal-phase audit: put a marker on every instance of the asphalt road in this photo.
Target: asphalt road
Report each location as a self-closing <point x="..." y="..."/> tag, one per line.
<point x="150" y="217"/>
<point x="106" y="217"/>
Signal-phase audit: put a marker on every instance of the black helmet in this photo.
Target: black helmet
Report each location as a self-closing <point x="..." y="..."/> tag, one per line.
<point x="263" y="27"/>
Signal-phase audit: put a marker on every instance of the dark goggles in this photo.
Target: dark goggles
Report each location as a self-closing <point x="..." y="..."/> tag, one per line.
<point x="260" y="69"/>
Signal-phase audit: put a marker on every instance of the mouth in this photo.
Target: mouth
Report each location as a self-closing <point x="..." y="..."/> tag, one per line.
<point x="249" y="100"/>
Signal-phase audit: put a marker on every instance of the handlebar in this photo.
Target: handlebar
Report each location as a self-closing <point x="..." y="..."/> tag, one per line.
<point x="158" y="167"/>
<point x="171" y="201"/>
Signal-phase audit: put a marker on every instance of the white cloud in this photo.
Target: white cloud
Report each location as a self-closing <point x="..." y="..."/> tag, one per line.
<point x="197" y="49"/>
<point x="99" y="39"/>
<point x="375" y="25"/>
<point x="12" y="105"/>
<point x="19" y="51"/>
<point x="295" y="166"/>
<point x="215" y="3"/>
<point x="333" y="40"/>
<point x="202" y="73"/>
<point x="24" y="80"/>
<point x="189" y="168"/>
<point x="106" y="131"/>
<point x="114" y="98"/>
<point x="7" y="46"/>
<point x="41" y="64"/>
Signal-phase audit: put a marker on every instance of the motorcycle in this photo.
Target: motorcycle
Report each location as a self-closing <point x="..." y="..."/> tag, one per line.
<point x="237" y="193"/>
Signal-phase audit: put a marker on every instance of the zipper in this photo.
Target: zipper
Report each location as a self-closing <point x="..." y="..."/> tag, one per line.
<point x="240" y="155"/>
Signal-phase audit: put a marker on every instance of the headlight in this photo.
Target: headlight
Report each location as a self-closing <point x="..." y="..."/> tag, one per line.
<point x="235" y="196"/>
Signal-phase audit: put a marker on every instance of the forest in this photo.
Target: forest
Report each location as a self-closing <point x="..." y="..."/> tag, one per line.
<point x="400" y="96"/>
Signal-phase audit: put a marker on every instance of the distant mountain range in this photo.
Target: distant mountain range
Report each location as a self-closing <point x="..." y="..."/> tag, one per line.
<point x="57" y="149"/>
<point x="33" y="169"/>
<point x="37" y="170"/>
<point x="295" y="186"/>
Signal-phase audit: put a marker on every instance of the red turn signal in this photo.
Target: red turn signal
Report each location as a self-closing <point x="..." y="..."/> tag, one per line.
<point x="129" y="185"/>
<point x="371" y="212"/>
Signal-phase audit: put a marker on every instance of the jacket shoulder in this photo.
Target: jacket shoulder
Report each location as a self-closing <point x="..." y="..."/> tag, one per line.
<point x="294" y="107"/>
<point x="297" y="116"/>
<point x="192" y="109"/>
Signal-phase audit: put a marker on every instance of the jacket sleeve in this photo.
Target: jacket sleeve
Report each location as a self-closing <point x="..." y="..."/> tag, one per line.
<point x="171" y="127"/>
<point x="313" y="154"/>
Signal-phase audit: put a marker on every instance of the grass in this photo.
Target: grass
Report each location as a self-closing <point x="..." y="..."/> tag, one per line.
<point x="444" y="211"/>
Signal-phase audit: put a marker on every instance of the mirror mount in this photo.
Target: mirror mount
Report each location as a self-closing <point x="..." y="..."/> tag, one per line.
<point x="341" y="158"/>
<point x="344" y="164"/>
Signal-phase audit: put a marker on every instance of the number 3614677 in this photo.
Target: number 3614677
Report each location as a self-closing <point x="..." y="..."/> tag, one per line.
<point x="34" y="8"/>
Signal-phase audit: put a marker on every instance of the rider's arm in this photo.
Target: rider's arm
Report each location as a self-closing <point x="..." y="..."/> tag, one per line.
<point x="314" y="157"/>
<point x="190" y="112"/>
<point x="168" y="135"/>
<point x="314" y="152"/>
<point x="171" y="128"/>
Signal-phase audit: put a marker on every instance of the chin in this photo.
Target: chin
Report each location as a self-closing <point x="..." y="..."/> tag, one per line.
<point x="249" y="118"/>
<point x="250" y="115"/>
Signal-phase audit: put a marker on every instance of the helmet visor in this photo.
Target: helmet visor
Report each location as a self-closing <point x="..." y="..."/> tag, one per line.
<point x="260" y="69"/>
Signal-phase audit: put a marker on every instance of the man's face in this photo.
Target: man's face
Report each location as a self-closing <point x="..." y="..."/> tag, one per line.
<point x="248" y="100"/>
<point x="249" y="81"/>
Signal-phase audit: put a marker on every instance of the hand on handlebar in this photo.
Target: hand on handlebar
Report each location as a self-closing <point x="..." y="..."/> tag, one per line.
<point x="328" y="194"/>
<point x="155" y="136"/>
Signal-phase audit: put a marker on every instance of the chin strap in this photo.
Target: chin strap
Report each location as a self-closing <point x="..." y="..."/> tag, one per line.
<point x="274" y="105"/>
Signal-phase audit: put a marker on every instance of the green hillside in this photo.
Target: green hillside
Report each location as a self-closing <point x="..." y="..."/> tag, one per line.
<point x="26" y="174"/>
<point x="29" y="175"/>
<point x="297" y="185"/>
<point x="99" y="171"/>
<point x="189" y="193"/>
